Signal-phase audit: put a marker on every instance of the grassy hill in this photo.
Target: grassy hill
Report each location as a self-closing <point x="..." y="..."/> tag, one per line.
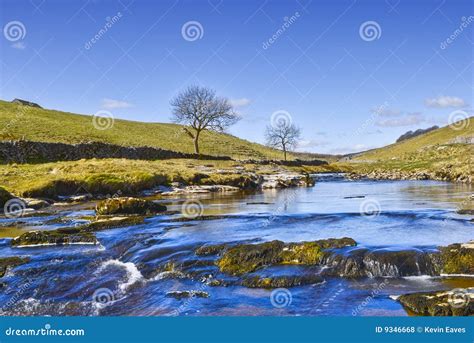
<point x="445" y="153"/>
<point x="55" y="126"/>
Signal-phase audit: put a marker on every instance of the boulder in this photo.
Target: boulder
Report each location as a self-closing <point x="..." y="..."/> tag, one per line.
<point x="187" y="294"/>
<point x="457" y="258"/>
<point x="281" y="281"/>
<point x="380" y="263"/>
<point x="245" y="258"/>
<point x="54" y="237"/>
<point x="128" y="206"/>
<point x="456" y="302"/>
<point x="103" y="223"/>
<point x="36" y="204"/>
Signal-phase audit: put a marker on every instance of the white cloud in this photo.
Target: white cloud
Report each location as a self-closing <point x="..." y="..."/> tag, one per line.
<point x="239" y="103"/>
<point x="19" y="45"/>
<point x="407" y="120"/>
<point x="311" y="143"/>
<point x="445" y="101"/>
<point x="111" y="104"/>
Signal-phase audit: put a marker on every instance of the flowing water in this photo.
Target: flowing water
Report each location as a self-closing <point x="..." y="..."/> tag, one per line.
<point x="128" y="273"/>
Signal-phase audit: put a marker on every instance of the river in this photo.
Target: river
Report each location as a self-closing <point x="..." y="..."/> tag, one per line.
<point x="133" y="269"/>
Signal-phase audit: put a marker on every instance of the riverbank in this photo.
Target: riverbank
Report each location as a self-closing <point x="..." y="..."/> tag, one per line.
<point x="102" y="177"/>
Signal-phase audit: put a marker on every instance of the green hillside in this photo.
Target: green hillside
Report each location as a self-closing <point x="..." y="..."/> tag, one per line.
<point x="446" y="154"/>
<point x="447" y="135"/>
<point x="23" y="122"/>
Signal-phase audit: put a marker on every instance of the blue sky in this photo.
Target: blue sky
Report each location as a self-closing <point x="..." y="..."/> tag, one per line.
<point x="346" y="89"/>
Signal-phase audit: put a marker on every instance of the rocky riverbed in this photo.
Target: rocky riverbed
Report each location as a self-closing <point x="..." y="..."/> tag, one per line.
<point x="326" y="249"/>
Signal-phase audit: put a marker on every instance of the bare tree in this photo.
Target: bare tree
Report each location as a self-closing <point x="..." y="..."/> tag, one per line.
<point x="199" y="108"/>
<point x="282" y="135"/>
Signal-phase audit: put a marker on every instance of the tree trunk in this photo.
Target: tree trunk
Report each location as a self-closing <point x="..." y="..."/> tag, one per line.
<point x="196" y="142"/>
<point x="284" y="151"/>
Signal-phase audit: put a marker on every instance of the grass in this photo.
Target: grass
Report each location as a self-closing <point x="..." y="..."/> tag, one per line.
<point x="22" y="122"/>
<point x="432" y="140"/>
<point x="108" y="176"/>
<point x="442" y="153"/>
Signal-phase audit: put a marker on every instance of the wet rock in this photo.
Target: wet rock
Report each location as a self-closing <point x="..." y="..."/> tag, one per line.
<point x="187" y="294"/>
<point x="54" y="237"/>
<point x="245" y="258"/>
<point x="466" y="211"/>
<point x="456" y="302"/>
<point x="103" y="223"/>
<point x="457" y="258"/>
<point x="36" y="204"/>
<point x="281" y="281"/>
<point x="4" y="197"/>
<point x="380" y="263"/>
<point x="75" y="198"/>
<point x="10" y="262"/>
<point x="129" y="205"/>
<point x="201" y="189"/>
<point x="206" y="250"/>
<point x="286" y="180"/>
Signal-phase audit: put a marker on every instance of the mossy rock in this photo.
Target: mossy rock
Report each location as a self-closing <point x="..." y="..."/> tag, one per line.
<point x="457" y="302"/>
<point x="457" y="259"/>
<point x="10" y="262"/>
<point x="281" y="281"/>
<point x="245" y="258"/>
<point x="187" y="294"/>
<point x="4" y="197"/>
<point x="55" y="237"/>
<point x="129" y="205"/>
<point x="207" y="250"/>
<point x="104" y="223"/>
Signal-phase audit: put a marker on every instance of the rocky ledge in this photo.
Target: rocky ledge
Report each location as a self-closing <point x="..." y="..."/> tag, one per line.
<point x="411" y="175"/>
<point x="54" y="237"/>
<point x="128" y="205"/>
<point x="81" y="234"/>
<point x="245" y="258"/>
<point x="286" y="180"/>
<point x="456" y="302"/>
<point x="341" y="258"/>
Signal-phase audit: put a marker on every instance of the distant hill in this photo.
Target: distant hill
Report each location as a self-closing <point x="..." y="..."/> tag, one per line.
<point x="37" y="124"/>
<point x="411" y="134"/>
<point x="445" y="153"/>
<point x="457" y="133"/>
